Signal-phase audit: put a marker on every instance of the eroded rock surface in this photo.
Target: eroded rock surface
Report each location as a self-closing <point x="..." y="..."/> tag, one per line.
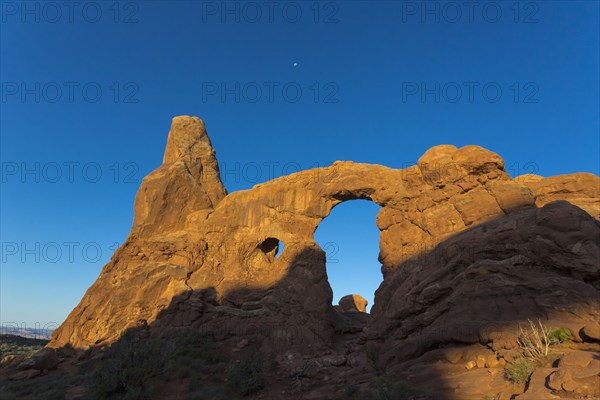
<point x="353" y="303"/>
<point x="187" y="181"/>
<point x="466" y="251"/>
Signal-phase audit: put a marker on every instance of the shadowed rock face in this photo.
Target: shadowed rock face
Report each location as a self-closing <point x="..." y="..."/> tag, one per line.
<point x="461" y="244"/>
<point x="477" y="286"/>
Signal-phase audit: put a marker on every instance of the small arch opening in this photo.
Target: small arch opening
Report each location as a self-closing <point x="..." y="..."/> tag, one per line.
<point x="272" y="247"/>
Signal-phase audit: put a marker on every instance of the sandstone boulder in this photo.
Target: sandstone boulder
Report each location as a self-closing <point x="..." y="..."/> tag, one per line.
<point x="44" y="359"/>
<point x="11" y="360"/>
<point x="577" y="359"/>
<point x="581" y="189"/>
<point x="592" y="330"/>
<point x="454" y="355"/>
<point x="581" y="381"/>
<point x="537" y="388"/>
<point x="24" y="375"/>
<point x="353" y="302"/>
<point x="561" y="380"/>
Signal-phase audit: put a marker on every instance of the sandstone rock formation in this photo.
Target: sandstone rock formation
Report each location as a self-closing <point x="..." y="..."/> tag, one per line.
<point x="353" y="302"/>
<point x="467" y="253"/>
<point x="187" y="181"/>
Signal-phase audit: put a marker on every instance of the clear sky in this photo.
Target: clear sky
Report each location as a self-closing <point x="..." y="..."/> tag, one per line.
<point x="88" y="93"/>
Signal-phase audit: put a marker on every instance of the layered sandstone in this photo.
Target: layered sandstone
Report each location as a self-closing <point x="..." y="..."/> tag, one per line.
<point x="466" y="252"/>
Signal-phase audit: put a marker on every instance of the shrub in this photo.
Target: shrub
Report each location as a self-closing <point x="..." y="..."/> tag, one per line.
<point x="247" y="376"/>
<point x="520" y="370"/>
<point x="534" y="341"/>
<point x="373" y="353"/>
<point x="128" y="369"/>
<point x="387" y="389"/>
<point x="350" y="390"/>
<point x="273" y="365"/>
<point x="17" y="345"/>
<point x="559" y="335"/>
<point x="46" y="387"/>
<point x="190" y="344"/>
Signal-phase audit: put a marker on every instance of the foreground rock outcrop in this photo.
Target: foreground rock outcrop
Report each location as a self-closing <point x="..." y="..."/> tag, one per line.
<point x="467" y="254"/>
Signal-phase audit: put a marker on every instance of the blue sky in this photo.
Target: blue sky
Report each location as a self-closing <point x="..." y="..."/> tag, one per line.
<point x="88" y="95"/>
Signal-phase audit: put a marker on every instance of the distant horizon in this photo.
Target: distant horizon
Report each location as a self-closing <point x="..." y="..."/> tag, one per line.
<point x="32" y="333"/>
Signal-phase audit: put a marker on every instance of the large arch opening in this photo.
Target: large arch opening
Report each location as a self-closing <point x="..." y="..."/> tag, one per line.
<point x="350" y="238"/>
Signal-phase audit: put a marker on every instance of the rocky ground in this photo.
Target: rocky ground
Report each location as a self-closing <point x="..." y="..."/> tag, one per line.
<point x="491" y="288"/>
<point x="186" y="365"/>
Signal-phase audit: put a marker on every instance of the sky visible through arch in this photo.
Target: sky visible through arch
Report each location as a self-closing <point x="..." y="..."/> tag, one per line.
<point x="87" y="100"/>
<point x="350" y="238"/>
